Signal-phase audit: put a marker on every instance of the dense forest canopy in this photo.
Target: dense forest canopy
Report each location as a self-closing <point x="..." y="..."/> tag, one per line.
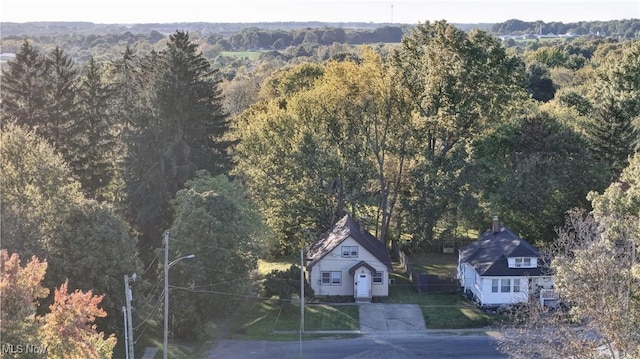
<point x="252" y="141"/>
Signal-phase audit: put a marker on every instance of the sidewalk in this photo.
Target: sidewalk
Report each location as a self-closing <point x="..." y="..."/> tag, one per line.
<point x="379" y="318"/>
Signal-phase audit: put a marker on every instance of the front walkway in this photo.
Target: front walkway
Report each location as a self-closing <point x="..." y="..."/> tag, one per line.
<point x="379" y="318"/>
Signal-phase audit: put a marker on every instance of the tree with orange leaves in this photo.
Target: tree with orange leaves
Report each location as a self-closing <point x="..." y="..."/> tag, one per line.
<point x="68" y="330"/>
<point x="20" y="290"/>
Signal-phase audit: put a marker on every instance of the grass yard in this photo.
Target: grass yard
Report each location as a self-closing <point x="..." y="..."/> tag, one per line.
<point x="268" y="317"/>
<point x="282" y="263"/>
<point x="440" y="311"/>
<point x="441" y="264"/>
<point x="151" y="335"/>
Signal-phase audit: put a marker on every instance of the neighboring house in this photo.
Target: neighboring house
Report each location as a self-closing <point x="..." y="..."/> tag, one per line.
<point x="349" y="261"/>
<point x="501" y="268"/>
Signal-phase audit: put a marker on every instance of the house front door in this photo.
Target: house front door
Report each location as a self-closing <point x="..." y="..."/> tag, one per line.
<point x="364" y="285"/>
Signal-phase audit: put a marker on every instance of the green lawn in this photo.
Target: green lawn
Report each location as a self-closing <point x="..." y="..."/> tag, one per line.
<point x="151" y="335"/>
<point x="268" y="317"/>
<point x="442" y="265"/>
<point x="265" y="266"/>
<point x="440" y="311"/>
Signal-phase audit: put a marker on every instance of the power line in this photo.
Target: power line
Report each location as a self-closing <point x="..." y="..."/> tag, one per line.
<point x="155" y="307"/>
<point x="150" y="264"/>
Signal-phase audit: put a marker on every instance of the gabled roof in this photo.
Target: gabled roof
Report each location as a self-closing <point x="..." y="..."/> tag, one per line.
<point x="353" y="269"/>
<point x="343" y="229"/>
<point x="488" y="255"/>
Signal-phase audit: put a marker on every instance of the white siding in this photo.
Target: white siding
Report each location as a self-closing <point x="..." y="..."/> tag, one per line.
<point x="489" y="298"/>
<point x="467" y="276"/>
<point x="334" y="261"/>
<point x="471" y="280"/>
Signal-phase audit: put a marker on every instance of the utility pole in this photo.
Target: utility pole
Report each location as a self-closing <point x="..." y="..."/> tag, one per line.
<point x="166" y="293"/>
<point x="168" y="265"/>
<point x="392" y="13"/>
<point x="126" y="330"/>
<point x="301" y="290"/>
<point x="129" y="327"/>
<point x="301" y="297"/>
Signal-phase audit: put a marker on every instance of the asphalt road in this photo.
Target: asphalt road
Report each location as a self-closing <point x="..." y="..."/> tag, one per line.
<point x="367" y="347"/>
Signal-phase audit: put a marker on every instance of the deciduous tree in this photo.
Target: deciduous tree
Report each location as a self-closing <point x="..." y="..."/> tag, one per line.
<point x="597" y="273"/>
<point x="67" y="331"/>
<point x="20" y="290"/>
<point x="460" y="85"/>
<point x="526" y="171"/>
<point x="45" y="214"/>
<point x="37" y="192"/>
<point x="215" y="222"/>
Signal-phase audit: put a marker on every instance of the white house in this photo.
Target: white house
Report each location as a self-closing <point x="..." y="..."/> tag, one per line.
<point x="501" y="268"/>
<point x="349" y="261"/>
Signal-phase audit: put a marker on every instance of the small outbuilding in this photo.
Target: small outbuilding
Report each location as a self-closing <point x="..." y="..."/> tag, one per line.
<point x="347" y="260"/>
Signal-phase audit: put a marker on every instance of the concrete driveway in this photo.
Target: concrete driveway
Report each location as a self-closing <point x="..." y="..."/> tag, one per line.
<point x="379" y="318"/>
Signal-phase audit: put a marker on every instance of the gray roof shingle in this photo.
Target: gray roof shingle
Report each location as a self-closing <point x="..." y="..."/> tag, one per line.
<point x="488" y="255"/>
<point x="343" y="229"/>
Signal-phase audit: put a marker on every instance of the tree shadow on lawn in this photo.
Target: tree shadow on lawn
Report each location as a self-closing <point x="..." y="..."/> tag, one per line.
<point x="265" y="319"/>
<point x="440" y="310"/>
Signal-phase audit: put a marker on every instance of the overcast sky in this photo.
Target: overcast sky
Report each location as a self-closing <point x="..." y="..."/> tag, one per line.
<point x="399" y="11"/>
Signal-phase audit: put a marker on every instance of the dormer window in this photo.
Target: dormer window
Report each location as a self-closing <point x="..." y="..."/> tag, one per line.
<point x="523" y="262"/>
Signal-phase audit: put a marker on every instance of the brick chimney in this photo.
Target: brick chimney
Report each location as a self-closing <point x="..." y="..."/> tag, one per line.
<point x="495" y="225"/>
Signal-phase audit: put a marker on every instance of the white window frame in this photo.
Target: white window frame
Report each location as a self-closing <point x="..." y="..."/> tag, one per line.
<point x="325" y="278"/>
<point x="378" y="278"/>
<point x="519" y="262"/>
<point x="522" y="262"/>
<point x="516" y="285"/>
<point x="331" y="278"/>
<point x="505" y="283"/>
<point x="349" y="251"/>
<point x="495" y="286"/>
<point x="336" y="278"/>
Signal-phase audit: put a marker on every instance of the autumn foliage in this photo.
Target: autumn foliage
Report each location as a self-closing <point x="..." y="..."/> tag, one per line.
<point x="66" y="331"/>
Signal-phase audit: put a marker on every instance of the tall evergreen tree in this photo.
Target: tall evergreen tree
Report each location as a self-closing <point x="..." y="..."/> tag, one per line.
<point x="190" y="98"/>
<point x="23" y="88"/>
<point x="179" y="127"/>
<point x="61" y="90"/>
<point x="125" y="82"/>
<point x="612" y="135"/>
<point x="94" y="134"/>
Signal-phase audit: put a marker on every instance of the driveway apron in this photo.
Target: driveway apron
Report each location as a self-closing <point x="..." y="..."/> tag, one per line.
<point x="379" y="318"/>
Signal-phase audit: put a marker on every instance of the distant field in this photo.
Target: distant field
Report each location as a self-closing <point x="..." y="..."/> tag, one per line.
<point x="251" y="55"/>
<point x="542" y="40"/>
